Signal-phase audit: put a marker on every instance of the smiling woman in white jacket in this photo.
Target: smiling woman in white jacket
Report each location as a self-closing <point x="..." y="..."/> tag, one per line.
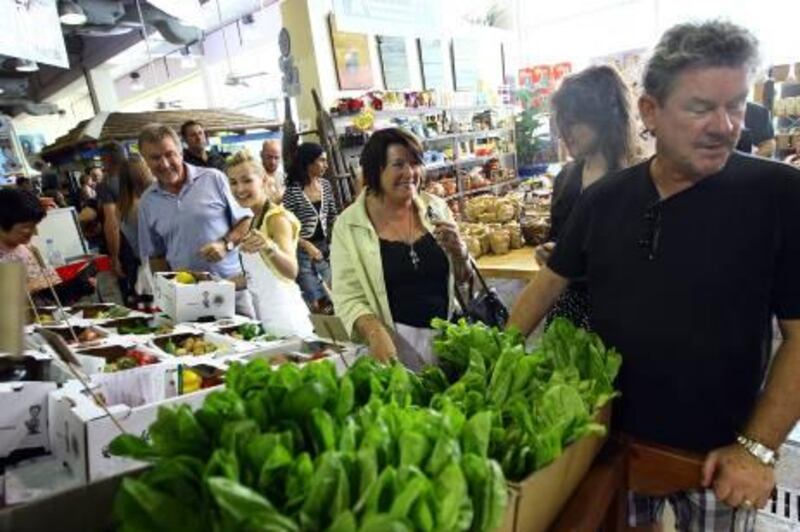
<point x="395" y="255"/>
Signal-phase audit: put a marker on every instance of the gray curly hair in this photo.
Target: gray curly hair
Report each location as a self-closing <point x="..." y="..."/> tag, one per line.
<point x="698" y="45"/>
<point x="154" y="133"/>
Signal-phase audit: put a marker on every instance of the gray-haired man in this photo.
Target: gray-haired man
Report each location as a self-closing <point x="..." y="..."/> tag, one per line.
<point x="188" y="218"/>
<point x="688" y="256"/>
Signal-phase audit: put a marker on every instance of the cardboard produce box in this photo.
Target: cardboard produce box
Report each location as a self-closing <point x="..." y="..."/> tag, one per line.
<point x="205" y="299"/>
<point x="23" y="415"/>
<point x="87" y="335"/>
<point x="80" y="431"/>
<point x="95" y="359"/>
<point x="223" y="345"/>
<point x="299" y="351"/>
<point x="140" y="327"/>
<point x="535" y="503"/>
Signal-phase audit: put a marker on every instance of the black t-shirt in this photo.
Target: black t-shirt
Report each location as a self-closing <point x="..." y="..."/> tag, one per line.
<point x="416" y="295"/>
<point x="757" y="127"/>
<point x="215" y="160"/>
<point x="108" y="191"/>
<point x="566" y="190"/>
<point x="684" y="289"/>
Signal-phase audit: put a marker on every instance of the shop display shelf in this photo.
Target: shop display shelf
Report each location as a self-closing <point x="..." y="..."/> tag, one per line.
<point x="416" y="111"/>
<point x="488" y="188"/>
<point x="478" y="160"/>
<point x="439" y="166"/>
<point x="467" y="135"/>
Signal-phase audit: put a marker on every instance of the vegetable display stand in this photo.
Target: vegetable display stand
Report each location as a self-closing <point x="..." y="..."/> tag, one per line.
<point x="535" y="503"/>
<point x="599" y="502"/>
<point x="517" y="264"/>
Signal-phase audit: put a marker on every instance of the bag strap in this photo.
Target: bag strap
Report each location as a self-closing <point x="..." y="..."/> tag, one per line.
<point x="459" y="296"/>
<point x="477" y="273"/>
<point x="257" y="220"/>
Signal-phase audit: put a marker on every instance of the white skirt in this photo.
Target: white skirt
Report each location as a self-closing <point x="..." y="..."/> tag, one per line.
<point x="278" y="304"/>
<point x="415" y="346"/>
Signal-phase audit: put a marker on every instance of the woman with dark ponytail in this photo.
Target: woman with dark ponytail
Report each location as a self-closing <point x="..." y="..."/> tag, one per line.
<point x="310" y="198"/>
<point x="594" y="119"/>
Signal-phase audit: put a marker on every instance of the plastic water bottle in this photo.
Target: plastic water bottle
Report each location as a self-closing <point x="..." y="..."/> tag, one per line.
<point x="54" y="256"/>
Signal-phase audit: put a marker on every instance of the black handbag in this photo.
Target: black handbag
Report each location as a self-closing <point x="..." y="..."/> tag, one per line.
<point x="485" y="306"/>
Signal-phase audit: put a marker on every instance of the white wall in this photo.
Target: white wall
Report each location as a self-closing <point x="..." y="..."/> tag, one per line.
<point x="488" y="60"/>
<point x="578" y="30"/>
<point x="73" y="100"/>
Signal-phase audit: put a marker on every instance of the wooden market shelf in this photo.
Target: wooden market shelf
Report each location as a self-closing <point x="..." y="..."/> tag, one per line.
<point x="518" y="264"/>
<point x="489" y="188"/>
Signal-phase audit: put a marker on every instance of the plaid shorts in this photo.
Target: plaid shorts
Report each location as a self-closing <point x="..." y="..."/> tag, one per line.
<point x="695" y="511"/>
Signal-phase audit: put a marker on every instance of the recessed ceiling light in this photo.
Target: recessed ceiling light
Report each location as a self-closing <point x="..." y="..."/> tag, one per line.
<point x="136" y="82"/>
<point x="26" y="65"/>
<point x="70" y="13"/>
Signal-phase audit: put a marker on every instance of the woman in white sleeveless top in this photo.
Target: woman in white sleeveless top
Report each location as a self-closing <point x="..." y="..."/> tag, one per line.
<point x="269" y="251"/>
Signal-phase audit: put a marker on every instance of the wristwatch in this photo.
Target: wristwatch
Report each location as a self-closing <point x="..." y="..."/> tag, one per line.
<point x="229" y="245"/>
<point x="758" y="450"/>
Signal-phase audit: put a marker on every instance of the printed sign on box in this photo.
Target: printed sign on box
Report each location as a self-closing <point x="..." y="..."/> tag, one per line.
<point x="23" y="415"/>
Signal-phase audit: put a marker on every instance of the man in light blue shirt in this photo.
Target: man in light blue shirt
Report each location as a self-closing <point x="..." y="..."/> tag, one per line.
<point x="188" y="219"/>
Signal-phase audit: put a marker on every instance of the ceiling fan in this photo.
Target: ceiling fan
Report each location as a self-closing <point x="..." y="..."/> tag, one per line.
<point x="239" y="80"/>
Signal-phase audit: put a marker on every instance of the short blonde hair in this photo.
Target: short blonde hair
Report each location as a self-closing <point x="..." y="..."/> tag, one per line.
<point x="243" y="157"/>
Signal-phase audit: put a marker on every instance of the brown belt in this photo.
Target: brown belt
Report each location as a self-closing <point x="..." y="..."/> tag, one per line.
<point x="240" y="281"/>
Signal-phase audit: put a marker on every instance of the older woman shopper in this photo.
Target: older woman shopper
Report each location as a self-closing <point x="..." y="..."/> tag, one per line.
<point x="593" y="116"/>
<point x="310" y="198"/>
<point x="269" y="250"/>
<point x="20" y="213"/>
<point x="396" y="254"/>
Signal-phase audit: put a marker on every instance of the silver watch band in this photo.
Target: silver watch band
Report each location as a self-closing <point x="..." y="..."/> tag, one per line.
<point x="758" y="450"/>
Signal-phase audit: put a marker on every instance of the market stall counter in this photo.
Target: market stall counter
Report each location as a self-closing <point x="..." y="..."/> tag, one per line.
<point x="517" y="264"/>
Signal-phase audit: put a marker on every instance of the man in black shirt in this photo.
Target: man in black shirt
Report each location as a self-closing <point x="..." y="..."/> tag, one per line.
<point x="687" y="257"/>
<point x="195" y="153"/>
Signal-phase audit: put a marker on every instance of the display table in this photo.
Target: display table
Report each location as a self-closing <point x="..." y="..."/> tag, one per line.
<point x="519" y="264"/>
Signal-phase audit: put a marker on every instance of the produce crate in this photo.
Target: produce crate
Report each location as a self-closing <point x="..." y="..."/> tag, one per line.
<point x="535" y="503"/>
<point x="87" y="334"/>
<point x="224" y="345"/>
<point x="304" y="351"/>
<point x="47" y="315"/>
<point x="100" y="311"/>
<point x="94" y="360"/>
<point x="254" y="336"/>
<point x="80" y="431"/>
<point x="149" y="326"/>
<point x="205" y="299"/>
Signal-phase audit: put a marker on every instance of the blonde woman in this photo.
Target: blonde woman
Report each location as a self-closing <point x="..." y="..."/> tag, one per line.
<point x="269" y="251"/>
